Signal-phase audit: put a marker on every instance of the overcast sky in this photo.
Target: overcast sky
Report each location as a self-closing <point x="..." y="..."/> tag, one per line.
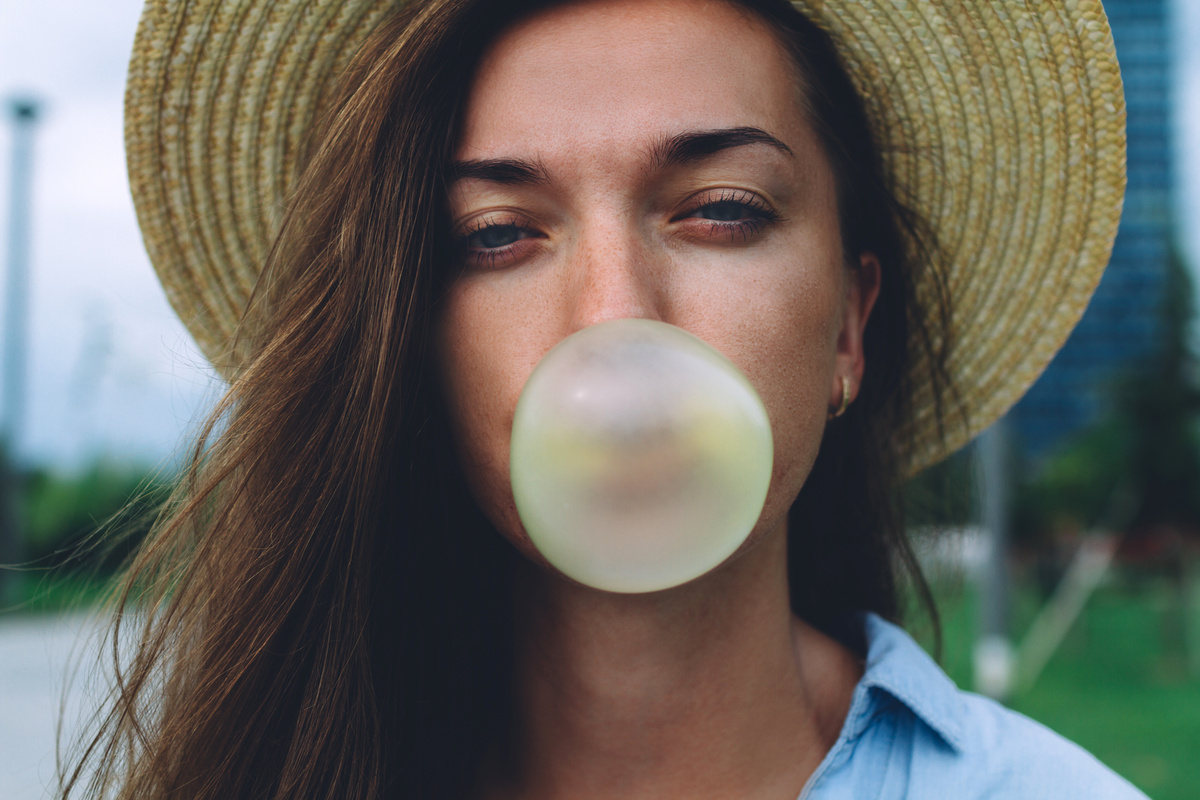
<point x="112" y="371"/>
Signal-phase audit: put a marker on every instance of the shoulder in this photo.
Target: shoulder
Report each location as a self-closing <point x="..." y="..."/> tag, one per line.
<point x="911" y="733"/>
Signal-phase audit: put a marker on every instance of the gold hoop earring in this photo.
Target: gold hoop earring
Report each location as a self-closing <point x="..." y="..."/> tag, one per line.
<point x="841" y="409"/>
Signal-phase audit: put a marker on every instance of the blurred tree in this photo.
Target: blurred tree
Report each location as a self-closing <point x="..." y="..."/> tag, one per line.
<point x="1136" y="472"/>
<point x="11" y="551"/>
<point x="88" y="523"/>
<point x="1138" y="469"/>
<point x="1158" y="404"/>
<point x="1073" y="489"/>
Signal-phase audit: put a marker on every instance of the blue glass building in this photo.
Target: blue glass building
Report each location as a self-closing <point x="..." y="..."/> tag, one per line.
<point x="1121" y="323"/>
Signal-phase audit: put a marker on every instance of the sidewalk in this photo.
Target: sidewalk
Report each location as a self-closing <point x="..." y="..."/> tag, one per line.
<point x="35" y="652"/>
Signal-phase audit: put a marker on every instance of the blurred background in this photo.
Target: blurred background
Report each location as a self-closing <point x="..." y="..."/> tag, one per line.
<point x="1063" y="546"/>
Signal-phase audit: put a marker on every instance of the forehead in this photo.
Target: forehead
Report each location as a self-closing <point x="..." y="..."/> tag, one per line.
<point x="616" y="73"/>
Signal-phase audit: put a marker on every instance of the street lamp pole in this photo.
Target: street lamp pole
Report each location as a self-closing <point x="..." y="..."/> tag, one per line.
<point x="995" y="663"/>
<point x="23" y="113"/>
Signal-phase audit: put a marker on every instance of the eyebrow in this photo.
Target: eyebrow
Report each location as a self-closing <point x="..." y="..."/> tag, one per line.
<point x="692" y="146"/>
<point x="504" y="171"/>
<point x="679" y="150"/>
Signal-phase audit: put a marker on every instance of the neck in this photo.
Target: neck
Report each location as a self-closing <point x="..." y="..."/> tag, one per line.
<point x="712" y="689"/>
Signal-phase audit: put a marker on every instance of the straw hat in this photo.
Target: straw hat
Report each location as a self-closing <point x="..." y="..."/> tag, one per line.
<point x="1003" y="125"/>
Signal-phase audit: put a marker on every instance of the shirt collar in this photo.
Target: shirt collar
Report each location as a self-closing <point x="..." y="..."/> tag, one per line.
<point x="897" y="666"/>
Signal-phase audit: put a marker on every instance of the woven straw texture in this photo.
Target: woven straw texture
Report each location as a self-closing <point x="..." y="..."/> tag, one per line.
<point x="1002" y="123"/>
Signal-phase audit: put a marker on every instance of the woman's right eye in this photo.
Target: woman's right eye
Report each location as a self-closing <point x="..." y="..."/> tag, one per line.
<point x="489" y="244"/>
<point x="494" y="236"/>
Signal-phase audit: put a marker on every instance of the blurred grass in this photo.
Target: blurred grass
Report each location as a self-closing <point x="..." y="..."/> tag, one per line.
<point x="1118" y="686"/>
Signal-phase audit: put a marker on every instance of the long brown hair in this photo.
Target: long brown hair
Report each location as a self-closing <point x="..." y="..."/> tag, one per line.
<point x="322" y="610"/>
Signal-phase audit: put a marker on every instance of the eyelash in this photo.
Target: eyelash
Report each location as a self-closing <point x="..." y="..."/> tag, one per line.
<point x="488" y="257"/>
<point x="759" y="216"/>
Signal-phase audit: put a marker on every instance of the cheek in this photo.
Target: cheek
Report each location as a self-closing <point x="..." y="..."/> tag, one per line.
<point x="788" y="352"/>
<point x="482" y="372"/>
<point x="796" y="387"/>
<point x="796" y="403"/>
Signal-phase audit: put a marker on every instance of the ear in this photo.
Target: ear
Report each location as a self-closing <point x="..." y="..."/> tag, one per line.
<point x="862" y="289"/>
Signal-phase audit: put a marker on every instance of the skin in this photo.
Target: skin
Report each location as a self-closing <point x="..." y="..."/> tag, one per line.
<point x="572" y="212"/>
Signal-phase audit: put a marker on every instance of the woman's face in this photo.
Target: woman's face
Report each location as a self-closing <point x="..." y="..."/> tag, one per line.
<point x="627" y="158"/>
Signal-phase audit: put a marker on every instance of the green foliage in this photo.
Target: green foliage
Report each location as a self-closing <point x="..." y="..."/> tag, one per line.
<point x="1158" y="405"/>
<point x="1139" y="467"/>
<point x="1076" y="487"/>
<point x="87" y="523"/>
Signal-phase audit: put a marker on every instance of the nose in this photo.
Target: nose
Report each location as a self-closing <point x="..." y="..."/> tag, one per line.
<point x="615" y="275"/>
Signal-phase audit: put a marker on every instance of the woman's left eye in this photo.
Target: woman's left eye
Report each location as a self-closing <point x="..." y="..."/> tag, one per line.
<point x="737" y="215"/>
<point x="724" y="211"/>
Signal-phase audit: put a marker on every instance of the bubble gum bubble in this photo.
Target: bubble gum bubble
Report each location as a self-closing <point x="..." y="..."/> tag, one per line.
<point x="640" y="456"/>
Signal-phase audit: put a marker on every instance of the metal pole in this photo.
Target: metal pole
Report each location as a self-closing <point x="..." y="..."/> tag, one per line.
<point x="994" y="657"/>
<point x="24" y="114"/>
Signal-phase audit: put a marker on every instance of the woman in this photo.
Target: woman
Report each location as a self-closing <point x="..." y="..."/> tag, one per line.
<point x="343" y="600"/>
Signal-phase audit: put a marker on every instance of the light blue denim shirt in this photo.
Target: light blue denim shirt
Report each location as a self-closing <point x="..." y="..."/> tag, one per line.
<point x="912" y="734"/>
